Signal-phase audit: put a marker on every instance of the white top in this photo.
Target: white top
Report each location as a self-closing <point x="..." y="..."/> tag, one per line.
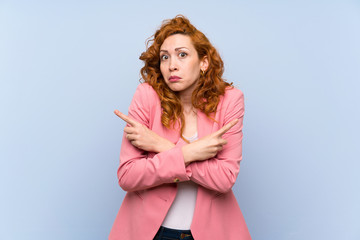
<point x="182" y="209"/>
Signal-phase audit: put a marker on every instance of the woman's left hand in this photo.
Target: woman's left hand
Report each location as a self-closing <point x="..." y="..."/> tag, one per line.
<point x="142" y="137"/>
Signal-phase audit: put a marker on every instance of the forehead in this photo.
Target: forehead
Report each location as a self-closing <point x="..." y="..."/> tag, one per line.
<point x="177" y="41"/>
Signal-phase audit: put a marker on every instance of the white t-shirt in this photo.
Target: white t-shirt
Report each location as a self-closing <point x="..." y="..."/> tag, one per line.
<point x="182" y="209"/>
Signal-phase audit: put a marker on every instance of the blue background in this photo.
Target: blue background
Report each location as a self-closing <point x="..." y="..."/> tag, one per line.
<point x="66" y="65"/>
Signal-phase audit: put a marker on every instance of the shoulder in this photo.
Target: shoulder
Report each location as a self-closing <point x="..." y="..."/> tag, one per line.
<point x="145" y="90"/>
<point x="145" y="96"/>
<point x="233" y="96"/>
<point x="144" y="103"/>
<point x="232" y="103"/>
<point x="231" y="106"/>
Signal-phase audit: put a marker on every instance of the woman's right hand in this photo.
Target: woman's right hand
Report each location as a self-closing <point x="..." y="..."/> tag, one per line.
<point x="208" y="146"/>
<point x="142" y="137"/>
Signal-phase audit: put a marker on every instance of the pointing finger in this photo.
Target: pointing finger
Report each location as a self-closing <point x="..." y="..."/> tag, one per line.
<point x="125" y="118"/>
<point x="227" y="127"/>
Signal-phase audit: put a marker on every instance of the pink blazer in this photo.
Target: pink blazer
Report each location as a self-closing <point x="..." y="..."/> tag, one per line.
<point x="150" y="179"/>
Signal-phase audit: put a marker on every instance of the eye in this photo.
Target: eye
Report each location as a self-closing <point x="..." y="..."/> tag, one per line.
<point x="163" y="57"/>
<point x="183" y="54"/>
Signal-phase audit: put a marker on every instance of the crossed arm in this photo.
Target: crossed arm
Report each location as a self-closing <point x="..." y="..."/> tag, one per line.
<point x="143" y="138"/>
<point x="148" y="160"/>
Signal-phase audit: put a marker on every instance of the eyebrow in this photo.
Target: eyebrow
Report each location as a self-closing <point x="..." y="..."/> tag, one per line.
<point x="176" y="49"/>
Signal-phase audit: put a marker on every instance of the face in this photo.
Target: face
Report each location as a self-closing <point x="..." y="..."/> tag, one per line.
<point x="180" y="64"/>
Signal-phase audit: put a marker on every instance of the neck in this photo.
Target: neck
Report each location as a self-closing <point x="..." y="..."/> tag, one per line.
<point x="185" y="99"/>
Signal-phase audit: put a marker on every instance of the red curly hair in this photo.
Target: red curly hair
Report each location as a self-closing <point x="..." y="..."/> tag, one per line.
<point x="210" y="86"/>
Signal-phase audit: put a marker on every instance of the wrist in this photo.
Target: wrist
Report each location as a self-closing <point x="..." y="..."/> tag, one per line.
<point x="163" y="145"/>
<point x="186" y="150"/>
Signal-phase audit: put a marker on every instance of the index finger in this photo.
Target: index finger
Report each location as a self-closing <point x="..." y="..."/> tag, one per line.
<point x="227" y="127"/>
<point x="125" y="118"/>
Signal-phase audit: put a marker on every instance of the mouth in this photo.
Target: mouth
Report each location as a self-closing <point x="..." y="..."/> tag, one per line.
<point x="174" y="79"/>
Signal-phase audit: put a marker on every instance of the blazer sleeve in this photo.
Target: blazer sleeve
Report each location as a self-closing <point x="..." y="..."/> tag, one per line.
<point x="140" y="170"/>
<point x="220" y="173"/>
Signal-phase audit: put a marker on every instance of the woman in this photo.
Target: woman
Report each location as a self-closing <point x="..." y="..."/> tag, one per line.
<point x="182" y="147"/>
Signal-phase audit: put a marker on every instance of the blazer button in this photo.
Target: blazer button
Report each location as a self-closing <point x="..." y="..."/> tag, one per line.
<point x="176" y="179"/>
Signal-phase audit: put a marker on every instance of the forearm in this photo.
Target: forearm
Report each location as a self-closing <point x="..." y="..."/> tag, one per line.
<point x="163" y="145"/>
<point x="217" y="172"/>
<point x="214" y="174"/>
<point x="138" y="171"/>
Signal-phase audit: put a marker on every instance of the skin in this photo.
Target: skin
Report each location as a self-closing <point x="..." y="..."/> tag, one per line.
<point x="178" y="57"/>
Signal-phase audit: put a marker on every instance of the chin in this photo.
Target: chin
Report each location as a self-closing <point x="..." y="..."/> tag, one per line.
<point x="175" y="89"/>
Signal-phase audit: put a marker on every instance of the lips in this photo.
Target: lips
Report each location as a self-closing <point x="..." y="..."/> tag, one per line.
<point x="174" y="78"/>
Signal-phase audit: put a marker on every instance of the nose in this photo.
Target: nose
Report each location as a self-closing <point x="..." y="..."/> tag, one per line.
<point x="173" y="66"/>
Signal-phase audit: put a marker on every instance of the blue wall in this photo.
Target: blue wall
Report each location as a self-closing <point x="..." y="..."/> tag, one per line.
<point x="66" y="65"/>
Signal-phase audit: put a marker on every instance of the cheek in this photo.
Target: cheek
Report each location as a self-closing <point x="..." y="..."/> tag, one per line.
<point x="162" y="68"/>
<point x="195" y="70"/>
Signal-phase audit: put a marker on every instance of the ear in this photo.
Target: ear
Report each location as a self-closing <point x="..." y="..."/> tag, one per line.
<point x="204" y="63"/>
